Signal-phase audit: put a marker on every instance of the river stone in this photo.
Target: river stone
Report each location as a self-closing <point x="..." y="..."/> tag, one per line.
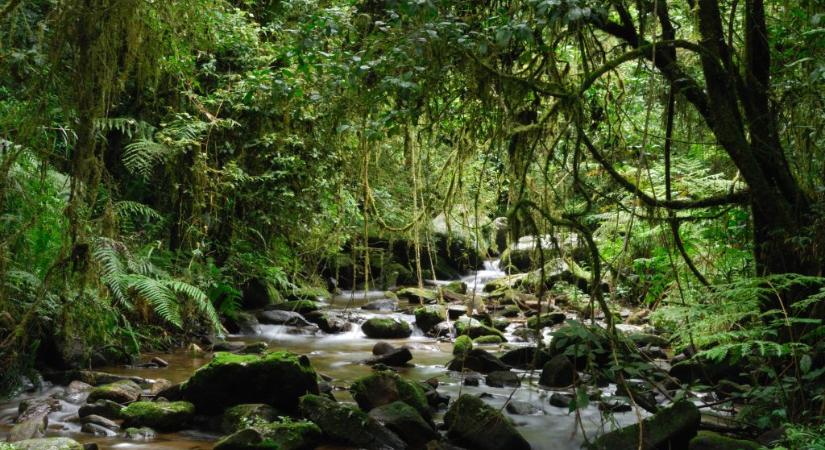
<point x="382" y="348"/>
<point x="77" y="392"/>
<point x="558" y="372"/>
<point x="488" y="340"/>
<point x="384" y="304"/>
<point x="477" y="360"/>
<point x="708" y="440"/>
<point x="278" y="317"/>
<point x="273" y="435"/>
<point x="520" y="408"/>
<point x="546" y="320"/>
<point x="406" y="422"/>
<point x="349" y="425"/>
<point x="277" y="379"/>
<point x="299" y="306"/>
<point x="163" y="416"/>
<point x="462" y="346"/>
<point x="396" y="357"/>
<point x="31" y="428"/>
<point x="386" y="328"/>
<point x="103" y="408"/>
<point x="328" y="322"/>
<point x="524" y="358"/>
<point x="97" y="430"/>
<point x="140" y="434"/>
<point x="473" y="424"/>
<point x="123" y="391"/>
<point x="503" y="378"/>
<point x="561" y="400"/>
<point x="670" y="428"/>
<point x="242" y="322"/>
<point x="475" y="328"/>
<point x="427" y="317"/>
<point x="384" y="387"/>
<point x="102" y="421"/>
<point x="228" y="346"/>
<point x="417" y="295"/>
<point x="239" y="416"/>
<point x="53" y="443"/>
<point x="645" y="339"/>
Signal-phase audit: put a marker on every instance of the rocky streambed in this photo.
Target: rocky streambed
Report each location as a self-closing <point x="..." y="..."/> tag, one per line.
<point x="362" y="369"/>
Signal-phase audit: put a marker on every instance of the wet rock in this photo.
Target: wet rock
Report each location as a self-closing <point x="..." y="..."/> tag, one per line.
<point x="228" y="346"/>
<point x="456" y="311"/>
<point x="299" y="306"/>
<point x="472" y="379"/>
<point x="77" y="392"/>
<point x="36" y="408"/>
<point x="501" y="324"/>
<point x="474" y="328"/>
<point x="472" y="423"/>
<point x="172" y="393"/>
<point x="462" y="346"/>
<point x="459" y="287"/>
<point x="396" y="357"/>
<point x="382" y="348"/>
<point x="639" y="317"/>
<point x="311" y="293"/>
<point x="386" y="328"/>
<point x="561" y="400"/>
<point x="614" y="405"/>
<point x="546" y="320"/>
<point x="257" y="293"/>
<point x="488" y="340"/>
<point x="670" y="428"/>
<point x="434" y="398"/>
<point x="645" y="339"/>
<point x="653" y="352"/>
<point x="406" y="422"/>
<point x="329" y="322"/>
<point x="256" y="348"/>
<point x="707" y="440"/>
<point x="96" y="430"/>
<point x="442" y="330"/>
<point x="558" y="372"/>
<point x="276" y="378"/>
<point x="348" y="425"/>
<point x="525" y="358"/>
<point x="242" y="323"/>
<point x="238" y="417"/>
<point x="54" y="443"/>
<point x="31" y="428"/>
<point x="124" y="391"/>
<point x="503" y="378"/>
<point x="520" y="408"/>
<point x="101" y="421"/>
<point x="278" y="317"/>
<point x="382" y="388"/>
<point x="417" y="295"/>
<point x="140" y="434"/>
<point x="427" y="317"/>
<point x="163" y="416"/>
<point x="273" y="435"/>
<point x="384" y="304"/>
<point x="477" y="360"/>
<point x="102" y="408"/>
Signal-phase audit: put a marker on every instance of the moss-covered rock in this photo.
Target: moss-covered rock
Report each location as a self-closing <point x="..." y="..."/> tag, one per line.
<point x="489" y="339"/>
<point x="384" y="387"/>
<point x="54" y="443"/>
<point x="459" y="287"/>
<point x="707" y="440"/>
<point x="123" y="391"/>
<point x="103" y="408"/>
<point x="645" y="339"/>
<point x="474" y="328"/>
<point x="311" y="293"/>
<point x="462" y="345"/>
<point x="526" y="358"/>
<point x="164" y="416"/>
<point x="546" y="320"/>
<point x="477" y="360"/>
<point x="386" y="328"/>
<point x="417" y="295"/>
<point x="299" y="306"/>
<point x="558" y="372"/>
<point x="286" y="435"/>
<point x="278" y="379"/>
<point x="406" y="422"/>
<point x="670" y="428"/>
<point x="140" y="434"/>
<point x="474" y="424"/>
<point x="241" y="416"/>
<point x="348" y="425"/>
<point x="429" y="316"/>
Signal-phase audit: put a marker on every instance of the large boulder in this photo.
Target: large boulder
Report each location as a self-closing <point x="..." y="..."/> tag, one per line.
<point x="558" y="372"/>
<point x="406" y="422"/>
<point x="395" y="357"/>
<point x="238" y="417"/>
<point x="474" y="424"/>
<point x="54" y="443"/>
<point x="477" y="360"/>
<point x="671" y="428"/>
<point x="386" y="328"/>
<point x="278" y="379"/>
<point x="384" y="387"/>
<point x="349" y="425"/>
<point x="290" y="435"/>
<point x="123" y="391"/>
<point x="429" y="316"/>
<point x="163" y="416"/>
<point x="329" y="322"/>
<point x="708" y="440"/>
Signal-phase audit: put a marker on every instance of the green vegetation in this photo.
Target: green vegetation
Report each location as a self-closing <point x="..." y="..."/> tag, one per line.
<point x="165" y="164"/>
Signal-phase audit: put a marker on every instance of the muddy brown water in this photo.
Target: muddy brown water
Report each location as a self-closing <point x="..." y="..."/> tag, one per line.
<point x="339" y="356"/>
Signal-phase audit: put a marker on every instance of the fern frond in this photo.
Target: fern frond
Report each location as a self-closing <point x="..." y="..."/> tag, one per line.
<point x="202" y="303"/>
<point x="158" y="295"/>
<point x="141" y="156"/>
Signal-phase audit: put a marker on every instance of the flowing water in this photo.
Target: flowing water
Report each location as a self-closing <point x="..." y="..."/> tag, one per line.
<point x="339" y="356"/>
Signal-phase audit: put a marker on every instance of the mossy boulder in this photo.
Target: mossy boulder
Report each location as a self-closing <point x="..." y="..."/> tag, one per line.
<point x="140" y="434"/>
<point x="429" y="316"/>
<point x="123" y="391"/>
<point x="474" y="424"/>
<point x="278" y="379"/>
<point x="384" y="387"/>
<point x="311" y="293"/>
<point x="406" y="422"/>
<point x="53" y="443"/>
<point x="103" y="408"/>
<point x="477" y="360"/>
<point x="558" y="372"/>
<point x="386" y="328"/>
<point x="459" y="287"/>
<point x="239" y="417"/>
<point x="262" y="435"/>
<point x="671" y="428"/>
<point x="489" y="339"/>
<point x="417" y="295"/>
<point x="526" y="358"/>
<point x="462" y="345"/>
<point x="299" y="306"/>
<point x="348" y="425"/>
<point x="163" y="416"/>
<point x="708" y="440"/>
<point x="546" y="320"/>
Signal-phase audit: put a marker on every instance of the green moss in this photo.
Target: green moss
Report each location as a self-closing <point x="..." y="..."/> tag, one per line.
<point x="674" y="425"/>
<point x="122" y="391"/>
<point x="417" y="294"/>
<point x="385" y="328"/>
<point x="347" y="424"/>
<point x="285" y="435"/>
<point x="164" y="416"/>
<point x="429" y="316"/>
<point x="707" y="440"/>
<point x="382" y="387"/>
<point x="299" y="306"/>
<point x="491" y="339"/>
<point x="241" y="416"/>
<point x="311" y="293"/>
<point x="462" y="345"/>
<point x="53" y="443"/>
<point x="546" y="320"/>
<point x="474" y="424"/>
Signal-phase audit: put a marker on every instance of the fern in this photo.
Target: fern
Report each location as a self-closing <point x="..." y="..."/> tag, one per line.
<point x="141" y="156"/>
